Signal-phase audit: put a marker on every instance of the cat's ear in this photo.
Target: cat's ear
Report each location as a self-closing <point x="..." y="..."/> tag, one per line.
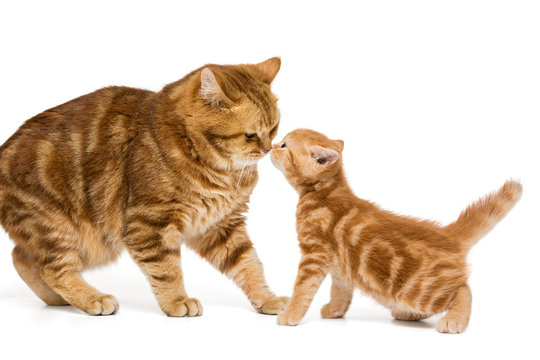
<point x="268" y="69"/>
<point x="323" y="156"/>
<point x="210" y="90"/>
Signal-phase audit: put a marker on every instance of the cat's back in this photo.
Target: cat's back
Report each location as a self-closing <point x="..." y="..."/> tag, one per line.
<point x="71" y="156"/>
<point x="89" y="115"/>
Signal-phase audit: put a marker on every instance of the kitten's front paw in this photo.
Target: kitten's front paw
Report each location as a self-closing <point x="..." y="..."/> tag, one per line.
<point x="289" y="319"/>
<point x="451" y="326"/>
<point x="184" y="307"/>
<point x="274" y="305"/>
<point x="332" y="311"/>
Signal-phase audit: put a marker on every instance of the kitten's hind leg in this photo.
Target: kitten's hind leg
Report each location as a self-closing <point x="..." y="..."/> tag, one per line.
<point x="31" y="276"/>
<point x="404" y="315"/>
<point x="457" y="318"/>
<point x="340" y="299"/>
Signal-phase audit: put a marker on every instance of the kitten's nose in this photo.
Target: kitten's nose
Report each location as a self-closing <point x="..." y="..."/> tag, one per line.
<point x="266" y="151"/>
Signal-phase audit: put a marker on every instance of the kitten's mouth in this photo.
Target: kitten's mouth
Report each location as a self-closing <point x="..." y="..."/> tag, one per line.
<point x="276" y="163"/>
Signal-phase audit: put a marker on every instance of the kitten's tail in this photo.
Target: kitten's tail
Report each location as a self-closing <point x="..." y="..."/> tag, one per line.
<point x="481" y="216"/>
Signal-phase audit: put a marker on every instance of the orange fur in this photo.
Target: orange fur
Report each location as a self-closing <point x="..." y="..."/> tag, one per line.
<point x="129" y="168"/>
<point x="414" y="267"/>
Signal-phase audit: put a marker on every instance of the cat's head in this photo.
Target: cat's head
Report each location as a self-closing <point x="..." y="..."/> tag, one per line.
<point x="234" y="111"/>
<point x="307" y="157"/>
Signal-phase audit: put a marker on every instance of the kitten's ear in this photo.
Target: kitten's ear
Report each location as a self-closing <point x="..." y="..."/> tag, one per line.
<point x="340" y="144"/>
<point x="323" y="156"/>
<point x="268" y="69"/>
<point x="210" y="90"/>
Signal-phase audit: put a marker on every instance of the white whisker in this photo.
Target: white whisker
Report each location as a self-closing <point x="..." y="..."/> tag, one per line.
<point x="241" y="174"/>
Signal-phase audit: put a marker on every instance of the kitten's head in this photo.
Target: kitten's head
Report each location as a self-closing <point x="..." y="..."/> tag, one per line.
<point x="307" y="157"/>
<point x="234" y="111"/>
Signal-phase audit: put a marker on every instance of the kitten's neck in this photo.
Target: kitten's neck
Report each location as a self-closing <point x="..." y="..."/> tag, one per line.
<point x="325" y="186"/>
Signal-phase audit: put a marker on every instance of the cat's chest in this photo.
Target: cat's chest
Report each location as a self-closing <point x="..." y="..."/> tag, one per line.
<point x="207" y="211"/>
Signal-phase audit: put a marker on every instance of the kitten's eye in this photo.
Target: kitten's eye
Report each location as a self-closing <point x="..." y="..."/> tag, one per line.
<point x="251" y="136"/>
<point x="283" y="146"/>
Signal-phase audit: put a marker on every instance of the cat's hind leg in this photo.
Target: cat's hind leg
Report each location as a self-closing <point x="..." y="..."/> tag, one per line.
<point x="65" y="279"/>
<point x="340" y="299"/>
<point x="32" y="277"/>
<point x="459" y="312"/>
<point x="61" y="265"/>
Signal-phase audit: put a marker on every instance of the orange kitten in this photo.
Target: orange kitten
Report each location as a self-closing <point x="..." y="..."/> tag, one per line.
<point x="414" y="267"/>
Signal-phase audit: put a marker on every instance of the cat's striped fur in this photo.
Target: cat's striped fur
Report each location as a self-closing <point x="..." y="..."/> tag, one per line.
<point x="416" y="268"/>
<point x="129" y="168"/>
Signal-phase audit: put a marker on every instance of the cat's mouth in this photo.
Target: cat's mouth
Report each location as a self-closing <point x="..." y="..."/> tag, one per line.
<point x="248" y="159"/>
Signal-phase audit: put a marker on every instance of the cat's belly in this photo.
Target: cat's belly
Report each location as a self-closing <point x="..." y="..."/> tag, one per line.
<point x="98" y="247"/>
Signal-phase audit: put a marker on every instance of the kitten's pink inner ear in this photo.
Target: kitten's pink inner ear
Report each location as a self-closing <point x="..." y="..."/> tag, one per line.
<point x="210" y="90"/>
<point x="268" y="69"/>
<point x="324" y="156"/>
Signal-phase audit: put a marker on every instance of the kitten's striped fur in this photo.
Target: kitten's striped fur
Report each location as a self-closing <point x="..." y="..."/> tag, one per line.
<point x="129" y="168"/>
<point x="416" y="268"/>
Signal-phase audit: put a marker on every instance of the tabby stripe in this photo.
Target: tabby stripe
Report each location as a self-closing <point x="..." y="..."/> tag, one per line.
<point x="307" y="274"/>
<point x="147" y="245"/>
<point x="429" y="292"/>
<point x="232" y="259"/>
<point x="159" y="257"/>
<point x="219" y="240"/>
<point x="162" y="278"/>
<point x="210" y="136"/>
<point x="153" y="222"/>
<point x="311" y="248"/>
<point x="316" y="262"/>
<point x="440" y="303"/>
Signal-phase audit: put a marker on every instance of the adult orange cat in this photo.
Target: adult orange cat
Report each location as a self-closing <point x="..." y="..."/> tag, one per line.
<point x="129" y="168"/>
<point x="414" y="267"/>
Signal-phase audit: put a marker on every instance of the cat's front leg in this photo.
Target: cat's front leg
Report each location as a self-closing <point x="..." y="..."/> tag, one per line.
<point x="311" y="272"/>
<point x="157" y="252"/>
<point x="228" y="247"/>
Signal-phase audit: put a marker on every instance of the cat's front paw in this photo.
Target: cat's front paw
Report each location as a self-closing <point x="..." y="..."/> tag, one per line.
<point x="274" y="305"/>
<point x="101" y="305"/>
<point x="184" y="307"/>
<point x="288" y="318"/>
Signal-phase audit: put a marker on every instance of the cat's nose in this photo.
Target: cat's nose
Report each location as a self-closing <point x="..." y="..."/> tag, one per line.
<point x="266" y="151"/>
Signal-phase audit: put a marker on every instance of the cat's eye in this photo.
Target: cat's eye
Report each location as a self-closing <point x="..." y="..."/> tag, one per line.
<point x="251" y="136"/>
<point x="283" y="146"/>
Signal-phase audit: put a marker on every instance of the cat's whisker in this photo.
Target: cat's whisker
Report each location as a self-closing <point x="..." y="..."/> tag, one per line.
<point x="241" y="174"/>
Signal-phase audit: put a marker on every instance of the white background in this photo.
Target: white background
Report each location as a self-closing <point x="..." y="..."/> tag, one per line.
<point x="437" y="102"/>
